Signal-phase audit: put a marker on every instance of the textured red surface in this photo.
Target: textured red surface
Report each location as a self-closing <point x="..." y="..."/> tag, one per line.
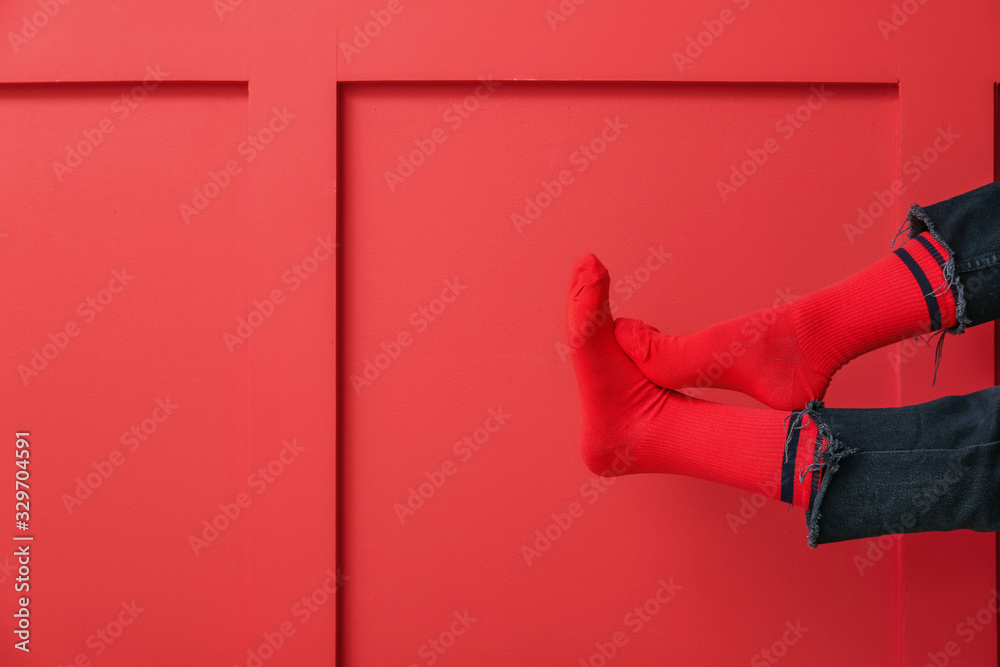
<point x="271" y="71"/>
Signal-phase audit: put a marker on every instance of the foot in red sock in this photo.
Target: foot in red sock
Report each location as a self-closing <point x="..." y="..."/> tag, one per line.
<point x="785" y="356"/>
<point x="630" y="425"/>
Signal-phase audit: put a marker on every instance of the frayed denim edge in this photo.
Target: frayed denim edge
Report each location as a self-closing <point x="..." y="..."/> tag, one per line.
<point x="920" y="222"/>
<point x="826" y="461"/>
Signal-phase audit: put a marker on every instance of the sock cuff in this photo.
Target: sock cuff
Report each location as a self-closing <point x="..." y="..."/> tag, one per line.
<point x="925" y="258"/>
<point x="799" y="475"/>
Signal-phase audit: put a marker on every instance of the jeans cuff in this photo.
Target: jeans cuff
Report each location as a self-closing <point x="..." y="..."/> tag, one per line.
<point x="827" y="453"/>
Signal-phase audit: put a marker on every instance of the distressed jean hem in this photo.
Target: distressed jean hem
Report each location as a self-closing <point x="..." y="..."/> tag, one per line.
<point x="827" y="454"/>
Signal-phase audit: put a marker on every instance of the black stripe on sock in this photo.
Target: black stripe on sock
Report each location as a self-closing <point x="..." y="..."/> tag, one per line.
<point x="925" y="287"/>
<point x="933" y="251"/>
<point x="788" y="467"/>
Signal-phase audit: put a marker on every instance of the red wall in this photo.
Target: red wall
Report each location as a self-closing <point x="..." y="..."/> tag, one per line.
<point x="277" y="123"/>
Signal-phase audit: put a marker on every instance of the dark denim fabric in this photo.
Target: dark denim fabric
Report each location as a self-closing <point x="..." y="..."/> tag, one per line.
<point x="933" y="466"/>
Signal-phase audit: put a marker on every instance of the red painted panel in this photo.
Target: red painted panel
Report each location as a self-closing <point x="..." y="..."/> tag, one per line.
<point x="114" y="313"/>
<point x="69" y="40"/>
<point x="452" y="307"/>
<point x="722" y="40"/>
<point x="63" y="239"/>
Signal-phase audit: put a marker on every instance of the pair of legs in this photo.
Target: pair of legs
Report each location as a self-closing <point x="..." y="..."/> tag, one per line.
<point x="928" y="467"/>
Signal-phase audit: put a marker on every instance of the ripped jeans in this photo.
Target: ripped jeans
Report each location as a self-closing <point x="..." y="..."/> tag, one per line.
<point x="928" y="467"/>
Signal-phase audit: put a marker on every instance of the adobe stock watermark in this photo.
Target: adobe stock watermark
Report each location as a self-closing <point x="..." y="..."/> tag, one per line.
<point x="138" y="433"/>
<point x="435" y="647"/>
<point x="786" y="126"/>
<point x="750" y="505"/>
<point x="779" y="648"/>
<point x="224" y="7"/>
<point x="967" y="630"/>
<point x="562" y="12"/>
<point x="922" y="502"/>
<point x="591" y="491"/>
<point x="625" y="288"/>
<point x="909" y="348"/>
<point x="754" y="329"/>
<point x="364" y="33"/>
<point x="454" y="117"/>
<point x="258" y="481"/>
<point x="580" y="160"/>
<point x="704" y="39"/>
<point x="7" y="569"/>
<point x="121" y="108"/>
<point x="901" y="13"/>
<point x="304" y="609"/>
<point x="420" y="320"/>
<point x="104" y="637"/>
<point x="464" y="449"/>
<point x="247" y="151"/>
<point x="87" y="310"/>
<point x="913" y="168"/>
<point x="261" y="310"/>
<point x="32" y="23"/>
<point x="636" y="619"/>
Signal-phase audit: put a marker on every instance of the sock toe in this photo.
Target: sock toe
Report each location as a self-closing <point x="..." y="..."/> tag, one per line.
<point x="633" y="336"/>
<point x="588" y="313"/>
<point x="586" y="270"/>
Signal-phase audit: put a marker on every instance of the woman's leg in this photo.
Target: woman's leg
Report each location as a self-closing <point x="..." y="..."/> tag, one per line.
<point x="630" y="425"/>
<point x="968" y="226"/>
<point x="934" y="466"/>
<point x="928" y="467"/>
<point x="946" y="277"/>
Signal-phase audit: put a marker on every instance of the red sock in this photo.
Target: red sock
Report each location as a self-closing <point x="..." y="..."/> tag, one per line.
<point x="785" y="356"/>
<point x="630" y="425"/>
